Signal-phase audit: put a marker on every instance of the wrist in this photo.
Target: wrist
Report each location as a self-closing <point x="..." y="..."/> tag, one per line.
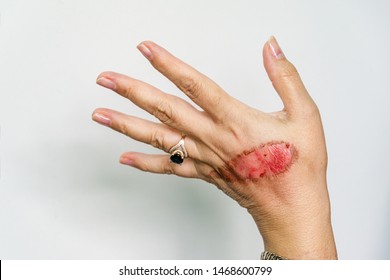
<point x="297" y="229"/>
<point x="302" y="244"/>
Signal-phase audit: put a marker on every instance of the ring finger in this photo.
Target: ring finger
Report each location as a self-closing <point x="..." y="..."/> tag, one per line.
<point x="156" y="134"/>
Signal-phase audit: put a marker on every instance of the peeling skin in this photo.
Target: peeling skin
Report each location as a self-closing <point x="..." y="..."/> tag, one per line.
<point x="268" y="160"/>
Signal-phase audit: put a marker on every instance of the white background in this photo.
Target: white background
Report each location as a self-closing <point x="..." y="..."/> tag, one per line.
<point x="63" y="194"/>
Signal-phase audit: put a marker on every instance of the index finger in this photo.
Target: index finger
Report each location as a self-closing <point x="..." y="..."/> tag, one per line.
<point x="201" y="89"/>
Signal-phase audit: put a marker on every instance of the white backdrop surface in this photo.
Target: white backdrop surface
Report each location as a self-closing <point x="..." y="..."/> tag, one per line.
<point x="63" y="194"/>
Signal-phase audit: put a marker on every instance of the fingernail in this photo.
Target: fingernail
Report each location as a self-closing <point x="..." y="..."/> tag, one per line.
<point x="275" y="48"/>
<point x="145" y="51"/>
<point x="127" y="161"/>
<point x="102" y="119"/>
<point x="104" y="82"/>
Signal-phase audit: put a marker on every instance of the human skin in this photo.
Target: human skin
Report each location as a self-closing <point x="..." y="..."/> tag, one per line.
<point x="272" y="164"/>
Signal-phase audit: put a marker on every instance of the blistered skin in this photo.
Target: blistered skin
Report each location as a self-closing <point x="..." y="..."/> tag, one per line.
<point x="265" y="161"/>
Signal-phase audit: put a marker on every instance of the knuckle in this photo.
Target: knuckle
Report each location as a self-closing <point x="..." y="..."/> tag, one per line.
<point x="143" y="167"/>
<point x="164" y="112"/>
<point x="168" y="168"/>
<point x="288" y="71"/>
<point x="122" y="128"/>
<point x="129" y="91"/>
<point x="190" y="87"/>
<point x="157" y="140"/>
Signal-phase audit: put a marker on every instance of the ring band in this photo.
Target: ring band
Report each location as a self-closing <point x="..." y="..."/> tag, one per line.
<point x="178" y="152"/>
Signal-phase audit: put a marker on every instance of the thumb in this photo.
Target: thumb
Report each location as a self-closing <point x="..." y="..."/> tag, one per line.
<point x="285" y="79"/>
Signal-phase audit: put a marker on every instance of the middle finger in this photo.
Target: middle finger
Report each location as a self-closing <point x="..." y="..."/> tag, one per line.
<point x="169" y="109"/>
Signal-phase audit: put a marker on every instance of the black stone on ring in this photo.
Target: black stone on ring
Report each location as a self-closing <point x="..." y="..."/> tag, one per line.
<point x="178" y="152"/>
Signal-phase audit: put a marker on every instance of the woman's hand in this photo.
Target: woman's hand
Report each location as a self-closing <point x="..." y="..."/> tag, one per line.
<point x="273" y="164"/>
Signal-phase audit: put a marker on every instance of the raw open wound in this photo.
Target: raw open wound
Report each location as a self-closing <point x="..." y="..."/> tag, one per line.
<point x="267" y="160"/>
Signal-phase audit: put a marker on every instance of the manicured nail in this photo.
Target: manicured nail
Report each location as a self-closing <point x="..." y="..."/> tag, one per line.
<point x="145" y="51"/>
<point x="127" y="161"/>
<point x="102" y="119"/>
<point x="104" y="82"/>
<point x="275" y="48"/>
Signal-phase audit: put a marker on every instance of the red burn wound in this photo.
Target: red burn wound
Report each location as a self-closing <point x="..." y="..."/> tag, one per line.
<point x="265" y="161"/>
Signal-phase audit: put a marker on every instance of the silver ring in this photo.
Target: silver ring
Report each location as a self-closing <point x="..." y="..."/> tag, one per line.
<point x="178" y="152"/>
